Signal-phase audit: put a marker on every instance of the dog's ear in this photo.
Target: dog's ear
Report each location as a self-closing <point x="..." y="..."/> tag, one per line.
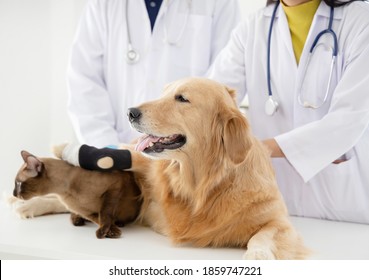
<point x="232" y="93"/>
<point x="33" y="165"/>
<point x="236" y="137"/>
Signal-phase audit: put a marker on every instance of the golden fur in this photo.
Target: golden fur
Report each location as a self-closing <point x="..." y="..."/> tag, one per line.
<point x="219" y="188"/>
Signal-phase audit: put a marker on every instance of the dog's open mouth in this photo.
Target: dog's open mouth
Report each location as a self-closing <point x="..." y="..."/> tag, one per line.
<point x="150" y="143"/>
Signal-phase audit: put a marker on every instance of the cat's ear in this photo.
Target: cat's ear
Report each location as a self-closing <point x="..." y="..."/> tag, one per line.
<point x="33" y="164"/>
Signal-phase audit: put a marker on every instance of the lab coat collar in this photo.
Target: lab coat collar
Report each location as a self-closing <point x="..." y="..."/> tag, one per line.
<point x="163" y="9"/>
<point x="323" y="10"/>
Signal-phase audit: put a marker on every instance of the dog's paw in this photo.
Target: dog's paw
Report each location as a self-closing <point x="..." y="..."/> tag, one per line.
<point x="259" y="253"/>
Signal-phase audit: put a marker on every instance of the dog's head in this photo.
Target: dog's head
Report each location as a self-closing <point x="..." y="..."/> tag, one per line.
<point x="195" y="115"/>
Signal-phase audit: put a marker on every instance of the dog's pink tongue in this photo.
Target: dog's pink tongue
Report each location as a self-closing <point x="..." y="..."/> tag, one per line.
<point x="145" y="142"/>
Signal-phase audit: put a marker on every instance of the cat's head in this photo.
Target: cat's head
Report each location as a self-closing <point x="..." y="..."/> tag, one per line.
<point x="30" y="178"/>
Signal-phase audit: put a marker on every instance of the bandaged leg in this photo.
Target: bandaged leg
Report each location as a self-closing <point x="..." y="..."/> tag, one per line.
<point x="104" y="159"/>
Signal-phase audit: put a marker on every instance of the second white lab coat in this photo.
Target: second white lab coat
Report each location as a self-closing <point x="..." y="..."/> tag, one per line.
<point x="102" y="86"/>
<point x="311" y="139"/>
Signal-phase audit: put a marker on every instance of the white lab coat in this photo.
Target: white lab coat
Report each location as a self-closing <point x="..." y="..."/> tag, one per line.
<point x="311" y="139"/>
<point x="102" y="86"/>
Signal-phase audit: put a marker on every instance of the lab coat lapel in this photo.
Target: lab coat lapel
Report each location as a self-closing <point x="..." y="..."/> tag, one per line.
<point x="319" y="23"/>
<point x="162" y="12"/>
<point x="139" y="26"/>
<point x="283" y="31"/>
<point x="283" y="66"/>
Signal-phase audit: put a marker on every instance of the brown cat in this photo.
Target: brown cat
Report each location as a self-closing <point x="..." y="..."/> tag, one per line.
<point x="109" y="199"/>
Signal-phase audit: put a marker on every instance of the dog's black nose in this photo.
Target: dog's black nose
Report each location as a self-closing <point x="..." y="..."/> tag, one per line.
<point x="134" y="114"/>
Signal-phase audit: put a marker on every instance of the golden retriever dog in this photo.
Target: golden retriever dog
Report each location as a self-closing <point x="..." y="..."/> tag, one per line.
<point x="205" y="179"/>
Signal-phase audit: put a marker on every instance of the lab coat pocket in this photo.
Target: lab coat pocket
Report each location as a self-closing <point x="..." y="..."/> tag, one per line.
<point x="193" y="34"/>
<point x="343" y="188"/>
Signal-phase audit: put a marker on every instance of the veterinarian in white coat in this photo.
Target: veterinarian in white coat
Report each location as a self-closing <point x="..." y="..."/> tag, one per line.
<point x="186" y="37"/>
<point x="321" y="155"/>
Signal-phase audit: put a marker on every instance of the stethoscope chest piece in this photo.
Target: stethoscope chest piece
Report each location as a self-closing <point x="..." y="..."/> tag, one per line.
<point x="271" y="106"/>
<point x="132" y="56"/>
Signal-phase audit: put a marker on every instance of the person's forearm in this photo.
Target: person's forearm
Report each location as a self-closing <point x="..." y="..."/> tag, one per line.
<point x="273" y="147"/>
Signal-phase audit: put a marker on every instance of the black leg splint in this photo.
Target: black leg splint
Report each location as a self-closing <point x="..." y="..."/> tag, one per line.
<point x="88" y="157"/>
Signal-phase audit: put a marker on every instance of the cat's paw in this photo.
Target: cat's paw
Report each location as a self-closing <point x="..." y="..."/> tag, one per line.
<point x="120" y="223"/>
<point x="23" y="209"/>
<point x="77" y="220"/>
<point x="26" y="209"/>
<point x="102" y="231"/>
<point x="114" y="232"/>
<point x="108" y="231"/>
<point x="38" y="206"/>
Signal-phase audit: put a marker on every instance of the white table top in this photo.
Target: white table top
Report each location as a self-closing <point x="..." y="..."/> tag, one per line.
<point x="54" y="237"/>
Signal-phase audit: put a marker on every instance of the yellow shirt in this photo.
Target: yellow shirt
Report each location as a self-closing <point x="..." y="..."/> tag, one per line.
<point x="299" y="20"/>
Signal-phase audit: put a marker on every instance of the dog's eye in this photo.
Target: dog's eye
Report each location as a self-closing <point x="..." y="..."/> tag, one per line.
<point x="181" y="98"/>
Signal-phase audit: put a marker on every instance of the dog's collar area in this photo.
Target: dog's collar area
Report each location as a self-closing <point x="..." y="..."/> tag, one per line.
<point x="155" y="144"/>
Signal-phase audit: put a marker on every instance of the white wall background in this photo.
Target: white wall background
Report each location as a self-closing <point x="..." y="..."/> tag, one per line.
<point x="35" y="37"/>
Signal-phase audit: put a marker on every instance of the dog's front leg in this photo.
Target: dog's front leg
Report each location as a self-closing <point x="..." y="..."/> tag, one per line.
<point x="261" y="245"/>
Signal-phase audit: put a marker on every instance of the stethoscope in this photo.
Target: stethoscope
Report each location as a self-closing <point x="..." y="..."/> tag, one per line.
<point x="132" y="55"/>
<point x="271" y="105"/>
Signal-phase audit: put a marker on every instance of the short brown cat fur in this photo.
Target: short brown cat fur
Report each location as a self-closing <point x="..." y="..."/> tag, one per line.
<point x="109" y="199"/>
